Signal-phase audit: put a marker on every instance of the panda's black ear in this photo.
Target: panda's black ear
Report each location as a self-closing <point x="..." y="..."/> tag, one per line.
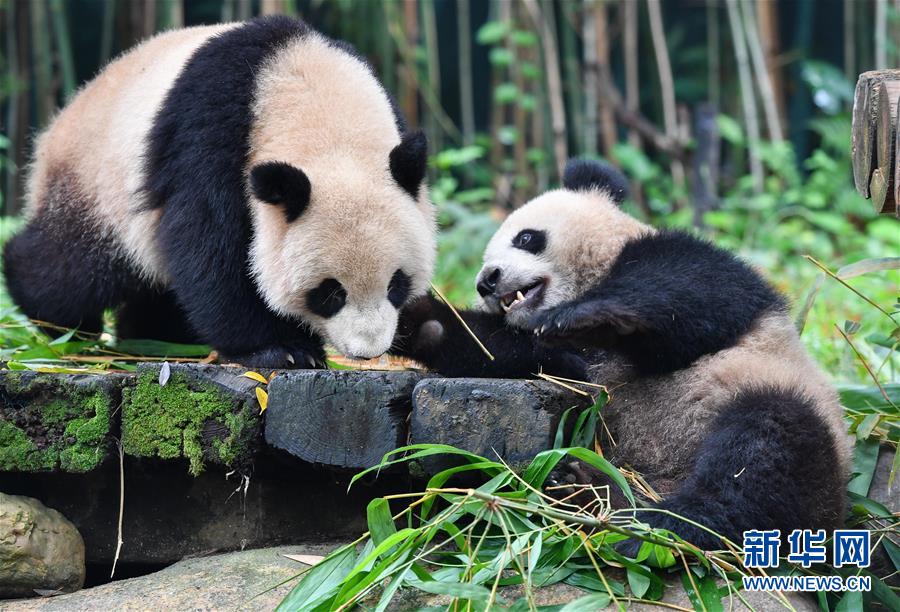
<point x="283" y="185"/>
<point x="408" y="160"/>
<point x="587" y="175"/>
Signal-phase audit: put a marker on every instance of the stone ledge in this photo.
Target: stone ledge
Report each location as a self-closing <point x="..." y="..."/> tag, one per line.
<point x="210" y="415"/>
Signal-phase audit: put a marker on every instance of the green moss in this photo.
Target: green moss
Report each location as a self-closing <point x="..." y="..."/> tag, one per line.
<point x="68" y="423"/>
<point x="19" y="453"/>
<point x="171" y="421"/>
<point x="89" y="446"/>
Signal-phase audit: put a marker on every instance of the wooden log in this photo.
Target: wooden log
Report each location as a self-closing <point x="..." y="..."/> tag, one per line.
<point x="897" y="160"/>
<point x="515" y="419"/>
<point x="885" y="155"/>
<point x="866" y="107"/>
<point x="342" y="419"/>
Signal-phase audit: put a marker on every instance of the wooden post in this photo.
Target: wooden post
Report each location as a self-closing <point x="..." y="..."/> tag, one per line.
<point x="875" y="119"/>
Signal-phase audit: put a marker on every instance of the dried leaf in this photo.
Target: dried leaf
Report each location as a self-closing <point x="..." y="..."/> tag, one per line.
<point x="307" y="559"/>
<point x="256" y="376"/>
<point x="271" y="376"/>
<point x="263" y="399"/>
<point x="164" y="373"/>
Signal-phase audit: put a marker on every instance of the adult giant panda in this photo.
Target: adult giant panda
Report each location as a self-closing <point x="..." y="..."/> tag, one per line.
<point x="253" y="177"/>
<point x="714" y="399"/>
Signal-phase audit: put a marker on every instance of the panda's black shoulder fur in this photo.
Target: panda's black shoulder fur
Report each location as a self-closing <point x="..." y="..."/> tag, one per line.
<point x="671" y="298"/>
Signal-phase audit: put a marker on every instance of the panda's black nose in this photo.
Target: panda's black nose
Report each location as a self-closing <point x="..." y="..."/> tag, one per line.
<point x="487" y="283"/>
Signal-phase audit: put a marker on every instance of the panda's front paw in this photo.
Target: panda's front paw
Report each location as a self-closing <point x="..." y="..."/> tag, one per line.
<point x="280" y="357"/>
<point x="586" y="324"/>
<point x="420" y="329"/>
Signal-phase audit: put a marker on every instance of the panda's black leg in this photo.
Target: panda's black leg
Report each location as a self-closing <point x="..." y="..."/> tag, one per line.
<point x="154" y="314"/>
<point x="209" y="276"/>
<point x="55" y="273"/>
<point x="768" y="462"/>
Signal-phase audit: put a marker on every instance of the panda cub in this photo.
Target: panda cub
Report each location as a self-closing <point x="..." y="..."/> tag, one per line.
<point x="248" y="185"/>
<point x="713" y="397"/>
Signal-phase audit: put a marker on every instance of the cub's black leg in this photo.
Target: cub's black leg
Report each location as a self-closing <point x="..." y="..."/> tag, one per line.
<point x="429" y="333"/>
<point x="64" y="272"/>
<point x="154" y="314"/>
<point x="768" y="462"/>
<point x="668" y="299"/>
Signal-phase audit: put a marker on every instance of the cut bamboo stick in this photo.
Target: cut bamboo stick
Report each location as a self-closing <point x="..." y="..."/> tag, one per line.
<point x="872" y="134"/>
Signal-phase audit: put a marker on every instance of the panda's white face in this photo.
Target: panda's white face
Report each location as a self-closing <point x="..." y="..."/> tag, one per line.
<point x="359" y="250"/>
<point x="551" y="250"/>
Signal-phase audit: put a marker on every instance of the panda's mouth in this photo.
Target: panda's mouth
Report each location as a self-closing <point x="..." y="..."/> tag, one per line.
<point x="529" y="295"/>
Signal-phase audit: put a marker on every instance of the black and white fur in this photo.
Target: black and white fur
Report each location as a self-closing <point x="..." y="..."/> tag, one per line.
<point x="714" y="399"/>
<point x="247" y="185"/>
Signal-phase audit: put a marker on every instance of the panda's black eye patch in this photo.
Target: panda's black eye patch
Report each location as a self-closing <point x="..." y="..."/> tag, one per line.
<point x="327" y="299"/>
<point x="398" y="288"/>
<point x="533" y="241"/>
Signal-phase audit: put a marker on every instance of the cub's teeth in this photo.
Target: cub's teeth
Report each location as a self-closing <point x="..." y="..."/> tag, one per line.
<point x="504" y="307"/>
<point x="519" y="296"/>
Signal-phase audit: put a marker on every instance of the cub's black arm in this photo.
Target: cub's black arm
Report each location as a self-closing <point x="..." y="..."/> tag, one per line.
<point x="668" y="299"/>
<point x="429" y="333"/>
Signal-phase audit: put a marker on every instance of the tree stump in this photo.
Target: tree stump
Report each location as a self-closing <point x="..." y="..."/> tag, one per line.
<point x="876" y="171"/>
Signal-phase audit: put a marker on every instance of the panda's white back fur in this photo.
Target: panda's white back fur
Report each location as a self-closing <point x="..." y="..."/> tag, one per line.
<point x="100" y="136"/>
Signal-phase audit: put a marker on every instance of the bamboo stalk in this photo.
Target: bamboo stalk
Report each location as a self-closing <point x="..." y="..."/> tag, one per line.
<point x="8" y="204"/>
<point x="608" y="132"/>
<point x="45" y="96"/>
<point x="466" y="99"/>
<point x="544" y="21"/>
<point x="591" y="68"/>
<point x="763" y="79"/>
<point x="666" y="82"/>
<point x="849" y="40"/>
<point x="244" y="9"/>
<point x="433" y="75"/>
<point x="880" y="26"/>
<point x="106" y="35"/>
<point x="63" y="47"/>
<point x="747" y="98"/>
<point x="632" y="74"/>
<point x="411" y="32"/>
<point x="712" y="44"/>
<point x="572" y="71"/>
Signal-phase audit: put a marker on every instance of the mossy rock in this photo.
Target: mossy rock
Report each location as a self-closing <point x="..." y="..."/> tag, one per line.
<point x="203" y="414"/>
<point x="51" y="421"/>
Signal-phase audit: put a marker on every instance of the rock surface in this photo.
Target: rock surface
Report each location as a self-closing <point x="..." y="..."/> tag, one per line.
<point x="878" y="490"/>
<point x="515" y="419"/>
<point x="241" y="581"/>
<point x="39" y="549"/>
<point x="342" y="418"/>
<point x="233" y="581"/>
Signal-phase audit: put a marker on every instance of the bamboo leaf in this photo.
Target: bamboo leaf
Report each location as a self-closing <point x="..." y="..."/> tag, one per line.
<point x="255" y="376"/>
<point x="320" y="582"/>
<point x="588" y="603"/>
<point x="865" y="456"/>
<point x="263" y="398"/>
<point x="381" y="524"/>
